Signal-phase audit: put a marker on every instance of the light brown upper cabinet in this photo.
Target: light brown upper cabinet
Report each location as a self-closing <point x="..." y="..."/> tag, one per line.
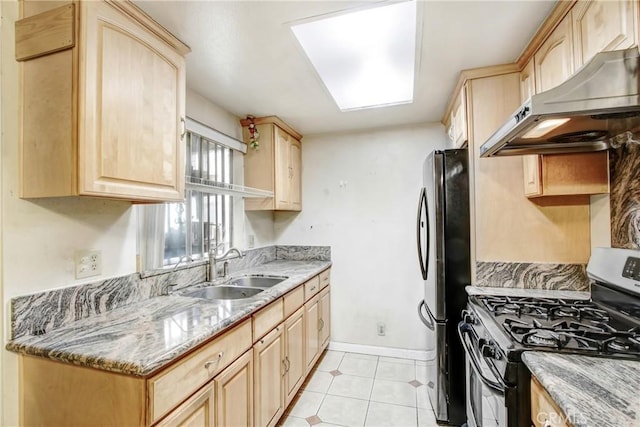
<point x="527" y="81"/>
<point x="458" y="131"/>
<point x="553" y="62"/>
<point x="530" y="164"/>
<point x="603" y="25"/>
<point x="103" y="102"/>
<point x="566" y="174"/>
<point x="575" y="174"/>
<point x="275" y="166"/>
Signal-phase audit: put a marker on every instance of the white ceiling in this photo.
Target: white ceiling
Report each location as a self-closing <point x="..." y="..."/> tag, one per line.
<point x="246" y="60"/>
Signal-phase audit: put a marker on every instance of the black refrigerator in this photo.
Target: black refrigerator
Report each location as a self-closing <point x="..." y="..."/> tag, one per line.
<point x="444" y="253"/>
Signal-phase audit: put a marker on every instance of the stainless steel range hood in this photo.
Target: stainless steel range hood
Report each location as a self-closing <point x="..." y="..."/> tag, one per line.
<point x="600" y="101"/>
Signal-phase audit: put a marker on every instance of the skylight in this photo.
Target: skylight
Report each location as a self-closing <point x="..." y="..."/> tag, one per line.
<point x="367" y="58"/>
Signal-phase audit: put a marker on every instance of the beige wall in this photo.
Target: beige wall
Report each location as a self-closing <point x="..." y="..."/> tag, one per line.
<point x="360" y="195"/>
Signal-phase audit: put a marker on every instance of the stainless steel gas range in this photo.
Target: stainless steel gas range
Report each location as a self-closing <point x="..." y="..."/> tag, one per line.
<point x="495" y="330"/>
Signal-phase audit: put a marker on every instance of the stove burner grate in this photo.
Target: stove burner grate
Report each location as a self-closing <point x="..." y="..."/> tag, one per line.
<point x="545" y="308"/>
<point x="590" y="337"/>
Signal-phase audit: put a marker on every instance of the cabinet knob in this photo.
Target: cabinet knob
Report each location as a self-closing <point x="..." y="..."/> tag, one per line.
<point x="184" y="127"/>
<point x="210" y="363"/>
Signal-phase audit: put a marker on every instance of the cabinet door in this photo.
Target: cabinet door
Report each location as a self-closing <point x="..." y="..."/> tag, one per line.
<point x="311" y="320"/>
<point x="459" y="120"/>
<point x="554" y="60"/>
<point x="132" y="104"/>
<point x="283" y="170"/>
<point x="294" y="342"/>
<point x="544" y="411"/>
<point x="603" y="25"/>
<point x="295" y="185"/>
<point x="325" y="318"/>
<point x="553" y="64"/>
<point x="527" y="81"/>
<point x="531" y="170"/>
<point x="268" y="359"/>
<point x="530" y="164"/>
<point x="234" y="393"/>
<point x="198" y="411"/>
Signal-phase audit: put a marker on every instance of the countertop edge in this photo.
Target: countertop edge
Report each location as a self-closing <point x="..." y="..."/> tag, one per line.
<point x="151" y="368"/>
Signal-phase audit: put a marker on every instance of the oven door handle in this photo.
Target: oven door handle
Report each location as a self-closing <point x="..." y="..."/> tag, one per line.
<point x="464" y="329"/>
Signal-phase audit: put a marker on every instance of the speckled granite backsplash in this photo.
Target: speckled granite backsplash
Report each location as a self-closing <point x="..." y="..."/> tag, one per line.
<point x="42" y="312"/>
<point x="532" y="276"/>
<point x="625" y="196"/>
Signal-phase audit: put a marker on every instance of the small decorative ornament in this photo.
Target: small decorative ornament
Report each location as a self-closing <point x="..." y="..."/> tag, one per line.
<point x="254" y="135"/>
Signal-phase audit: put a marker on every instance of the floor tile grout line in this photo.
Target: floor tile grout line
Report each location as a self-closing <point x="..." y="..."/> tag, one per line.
<point x="366" y="414"/>
<point x="327" y="392"/>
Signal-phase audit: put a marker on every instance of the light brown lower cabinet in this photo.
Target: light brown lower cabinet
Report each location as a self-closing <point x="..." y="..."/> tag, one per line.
<point x="225" y="401"/>
<point x="311" y="318"/>
<point x="294" y="373"/>
<point x="227" y="382"/>
<point x="234" y="393"/>
<point x="269" y="366"/>
<point x="544" y="411"/>
<point x="325" y="318"/>
<point x="197" y="411"/>
<point x="317" y="313"/>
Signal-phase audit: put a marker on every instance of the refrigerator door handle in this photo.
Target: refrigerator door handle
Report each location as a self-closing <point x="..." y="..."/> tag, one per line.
<point x="428" y="323"/>
<point x="424" y="262"/>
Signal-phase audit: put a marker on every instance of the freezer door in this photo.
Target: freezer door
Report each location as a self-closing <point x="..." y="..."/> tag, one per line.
<point x="434" y="292"/>
<point x="434" y="374"/>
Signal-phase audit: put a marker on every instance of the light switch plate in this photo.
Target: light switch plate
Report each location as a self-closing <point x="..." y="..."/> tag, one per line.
<point x="88" y="263"/>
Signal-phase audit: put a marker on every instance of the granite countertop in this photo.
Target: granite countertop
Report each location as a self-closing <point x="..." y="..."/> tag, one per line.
<point x="591" y="391"/>
<point x="143" y="337"/>
<point x="522" y="292"/>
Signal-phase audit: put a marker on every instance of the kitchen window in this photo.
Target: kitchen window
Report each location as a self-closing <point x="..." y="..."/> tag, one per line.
<point x="203" y="218"/>
<point x="173" y="232"/>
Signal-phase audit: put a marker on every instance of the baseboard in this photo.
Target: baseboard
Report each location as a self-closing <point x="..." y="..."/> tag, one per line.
<point x="400" y="353"/>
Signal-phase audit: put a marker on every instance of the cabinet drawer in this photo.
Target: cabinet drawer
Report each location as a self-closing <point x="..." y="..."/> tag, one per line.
<point x="172" y="386"/>
<point x="267" y="319"/>
<point x="325" y="278"/>
<point x="311" y="287"/>
<point x="293" y="301"/>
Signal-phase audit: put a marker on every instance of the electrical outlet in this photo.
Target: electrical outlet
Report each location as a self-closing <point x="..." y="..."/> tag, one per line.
<point x="382" y="329"/>
<point x="88" y="263"/>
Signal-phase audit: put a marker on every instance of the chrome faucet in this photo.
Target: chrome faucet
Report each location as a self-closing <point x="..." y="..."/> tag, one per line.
<point x="213" y="259"/>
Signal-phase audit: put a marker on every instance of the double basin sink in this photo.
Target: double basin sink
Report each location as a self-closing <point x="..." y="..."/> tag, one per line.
<point x="238" y="288"/>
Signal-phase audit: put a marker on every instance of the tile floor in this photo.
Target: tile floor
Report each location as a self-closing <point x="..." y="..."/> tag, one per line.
<point x="352" y="389"/>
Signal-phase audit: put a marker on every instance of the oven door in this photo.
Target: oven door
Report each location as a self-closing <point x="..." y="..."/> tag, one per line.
<point x="485" y="388"/>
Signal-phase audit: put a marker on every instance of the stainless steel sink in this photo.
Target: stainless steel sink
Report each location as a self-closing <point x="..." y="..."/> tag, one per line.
<point x="257" y="281"/>
<point x="224" y="292"/>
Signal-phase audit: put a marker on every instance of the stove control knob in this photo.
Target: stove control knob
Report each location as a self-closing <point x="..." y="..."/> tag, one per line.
<point x="469" y="318"/>
<point x="488" y="351"/>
